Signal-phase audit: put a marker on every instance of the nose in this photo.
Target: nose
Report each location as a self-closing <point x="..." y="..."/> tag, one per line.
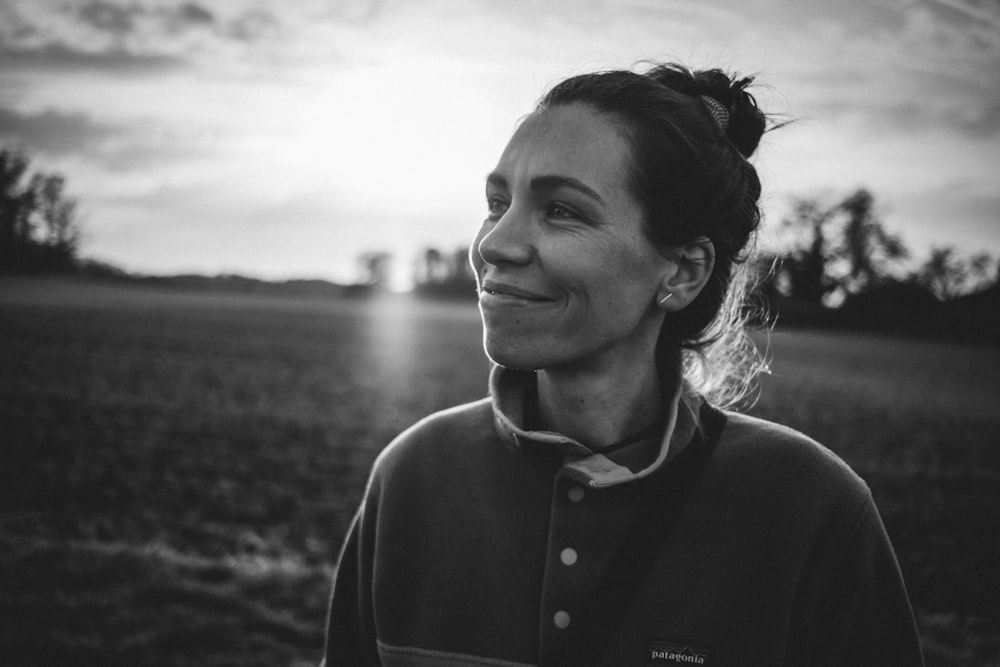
<point x="507" y="240"/>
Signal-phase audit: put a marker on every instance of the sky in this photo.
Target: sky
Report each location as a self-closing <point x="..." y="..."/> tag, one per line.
<point x="282" y="139"/>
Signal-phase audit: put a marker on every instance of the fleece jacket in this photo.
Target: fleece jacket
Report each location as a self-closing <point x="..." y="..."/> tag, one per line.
<point x="480" y="542"/>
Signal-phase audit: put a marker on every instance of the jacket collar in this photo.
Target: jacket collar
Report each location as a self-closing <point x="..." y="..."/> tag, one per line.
<point x="509" y="390"/>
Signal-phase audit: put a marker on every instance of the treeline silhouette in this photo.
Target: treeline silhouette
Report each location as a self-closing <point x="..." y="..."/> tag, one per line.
<point x="839" y="267"/>
<point x="839" y="250"/>
<point x="835" y="264"/>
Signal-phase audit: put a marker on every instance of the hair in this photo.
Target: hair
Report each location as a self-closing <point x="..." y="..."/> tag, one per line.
<point x="692" y="176"/>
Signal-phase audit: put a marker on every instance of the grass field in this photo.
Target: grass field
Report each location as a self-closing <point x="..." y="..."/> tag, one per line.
<point x="177" y="469"/>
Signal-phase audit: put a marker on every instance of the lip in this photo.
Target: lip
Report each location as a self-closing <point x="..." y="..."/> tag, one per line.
<point x="494" y="288"/>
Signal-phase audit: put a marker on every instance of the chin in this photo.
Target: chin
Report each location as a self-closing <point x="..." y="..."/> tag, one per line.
<point x="511" y="356"/>
<point x="513" y="362"/>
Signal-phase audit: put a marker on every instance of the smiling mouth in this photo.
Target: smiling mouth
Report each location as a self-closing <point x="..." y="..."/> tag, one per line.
<point x="511" y="295"/>
<point x="507" y="291"/>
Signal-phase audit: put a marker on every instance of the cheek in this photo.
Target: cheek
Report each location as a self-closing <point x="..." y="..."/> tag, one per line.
<point x="626" y="283"/>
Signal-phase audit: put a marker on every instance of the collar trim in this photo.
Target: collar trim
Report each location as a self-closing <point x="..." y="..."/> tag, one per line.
<point x="592" y="469"/>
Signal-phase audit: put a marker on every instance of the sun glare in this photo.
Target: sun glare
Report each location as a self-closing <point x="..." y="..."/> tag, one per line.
<point x="386" y="134"/>
<point x="386" y="158"/>
<point x="401" y="275"/>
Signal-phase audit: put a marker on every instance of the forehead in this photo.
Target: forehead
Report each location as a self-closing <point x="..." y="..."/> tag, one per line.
<point x="572" y="140"/>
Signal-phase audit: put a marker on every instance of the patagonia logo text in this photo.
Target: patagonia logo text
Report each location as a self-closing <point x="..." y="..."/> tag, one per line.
<point x="669" y="652"/>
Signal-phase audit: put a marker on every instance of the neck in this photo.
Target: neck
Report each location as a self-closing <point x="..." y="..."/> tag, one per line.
<point x="598" y="407"/>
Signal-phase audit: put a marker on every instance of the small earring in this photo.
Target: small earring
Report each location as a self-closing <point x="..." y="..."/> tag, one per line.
<point x="665" y="299"/>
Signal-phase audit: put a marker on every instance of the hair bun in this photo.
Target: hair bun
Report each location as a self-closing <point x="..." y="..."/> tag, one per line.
<point x="746" y="122"/>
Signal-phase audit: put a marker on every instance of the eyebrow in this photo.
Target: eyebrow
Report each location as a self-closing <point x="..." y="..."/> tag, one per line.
<point x="549" y="182"/>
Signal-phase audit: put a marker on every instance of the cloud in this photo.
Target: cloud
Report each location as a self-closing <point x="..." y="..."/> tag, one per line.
<point x="916" y="66"/>
<point x="251" y="25"/>
<point x="986" y="14"/>
<point x="112" y="147"/>
<point x="190" y="14"/>
<point x="52" y="132"/>
<point x="913" y="112"/>
<point x="109" y="17"/>
<point x="66" y="58"/>
<point x="120" y="20"/>
<point x="956" y="213"/>
<point x="105" y="35"/>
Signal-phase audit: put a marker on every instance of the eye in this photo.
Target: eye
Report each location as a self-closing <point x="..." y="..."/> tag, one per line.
<point x="561" y="212"/>
<point x="496" y="206"/>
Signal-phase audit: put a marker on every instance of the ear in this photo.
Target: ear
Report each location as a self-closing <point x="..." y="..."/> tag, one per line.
<point x="693" y="263"/>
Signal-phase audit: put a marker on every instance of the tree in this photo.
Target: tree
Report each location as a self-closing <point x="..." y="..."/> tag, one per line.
<point x="57" y="214"/>
<point x="16" y="205"/>
<point x="431" y="268"/>
<point x="865" y="245"/>
<point x="981" y="266"/>
<point x="375" y="268"/>
<point x="947" y="275"/>
<point x="448" y="275"/>
<point x="841" y="247"/>
<point x="804" y="267"/>
<point x="39" y="223"/>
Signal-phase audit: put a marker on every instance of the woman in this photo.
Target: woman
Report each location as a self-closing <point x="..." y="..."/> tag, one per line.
<point x="600" y="508"/>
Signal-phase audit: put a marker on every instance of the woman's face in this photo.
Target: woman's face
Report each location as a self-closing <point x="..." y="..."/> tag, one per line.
<point x="566" y="275"/>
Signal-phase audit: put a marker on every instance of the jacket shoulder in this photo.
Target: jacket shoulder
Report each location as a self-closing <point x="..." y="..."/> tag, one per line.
<point x="436" y="437"/>
<point x="777" y="443"/>
<point x="784" y="461"/>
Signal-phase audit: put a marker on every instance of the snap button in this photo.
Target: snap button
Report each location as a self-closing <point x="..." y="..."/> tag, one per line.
<point x="575" y="493"/>
<point x="561" y="619"/>
<point x="568" y="556"/>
